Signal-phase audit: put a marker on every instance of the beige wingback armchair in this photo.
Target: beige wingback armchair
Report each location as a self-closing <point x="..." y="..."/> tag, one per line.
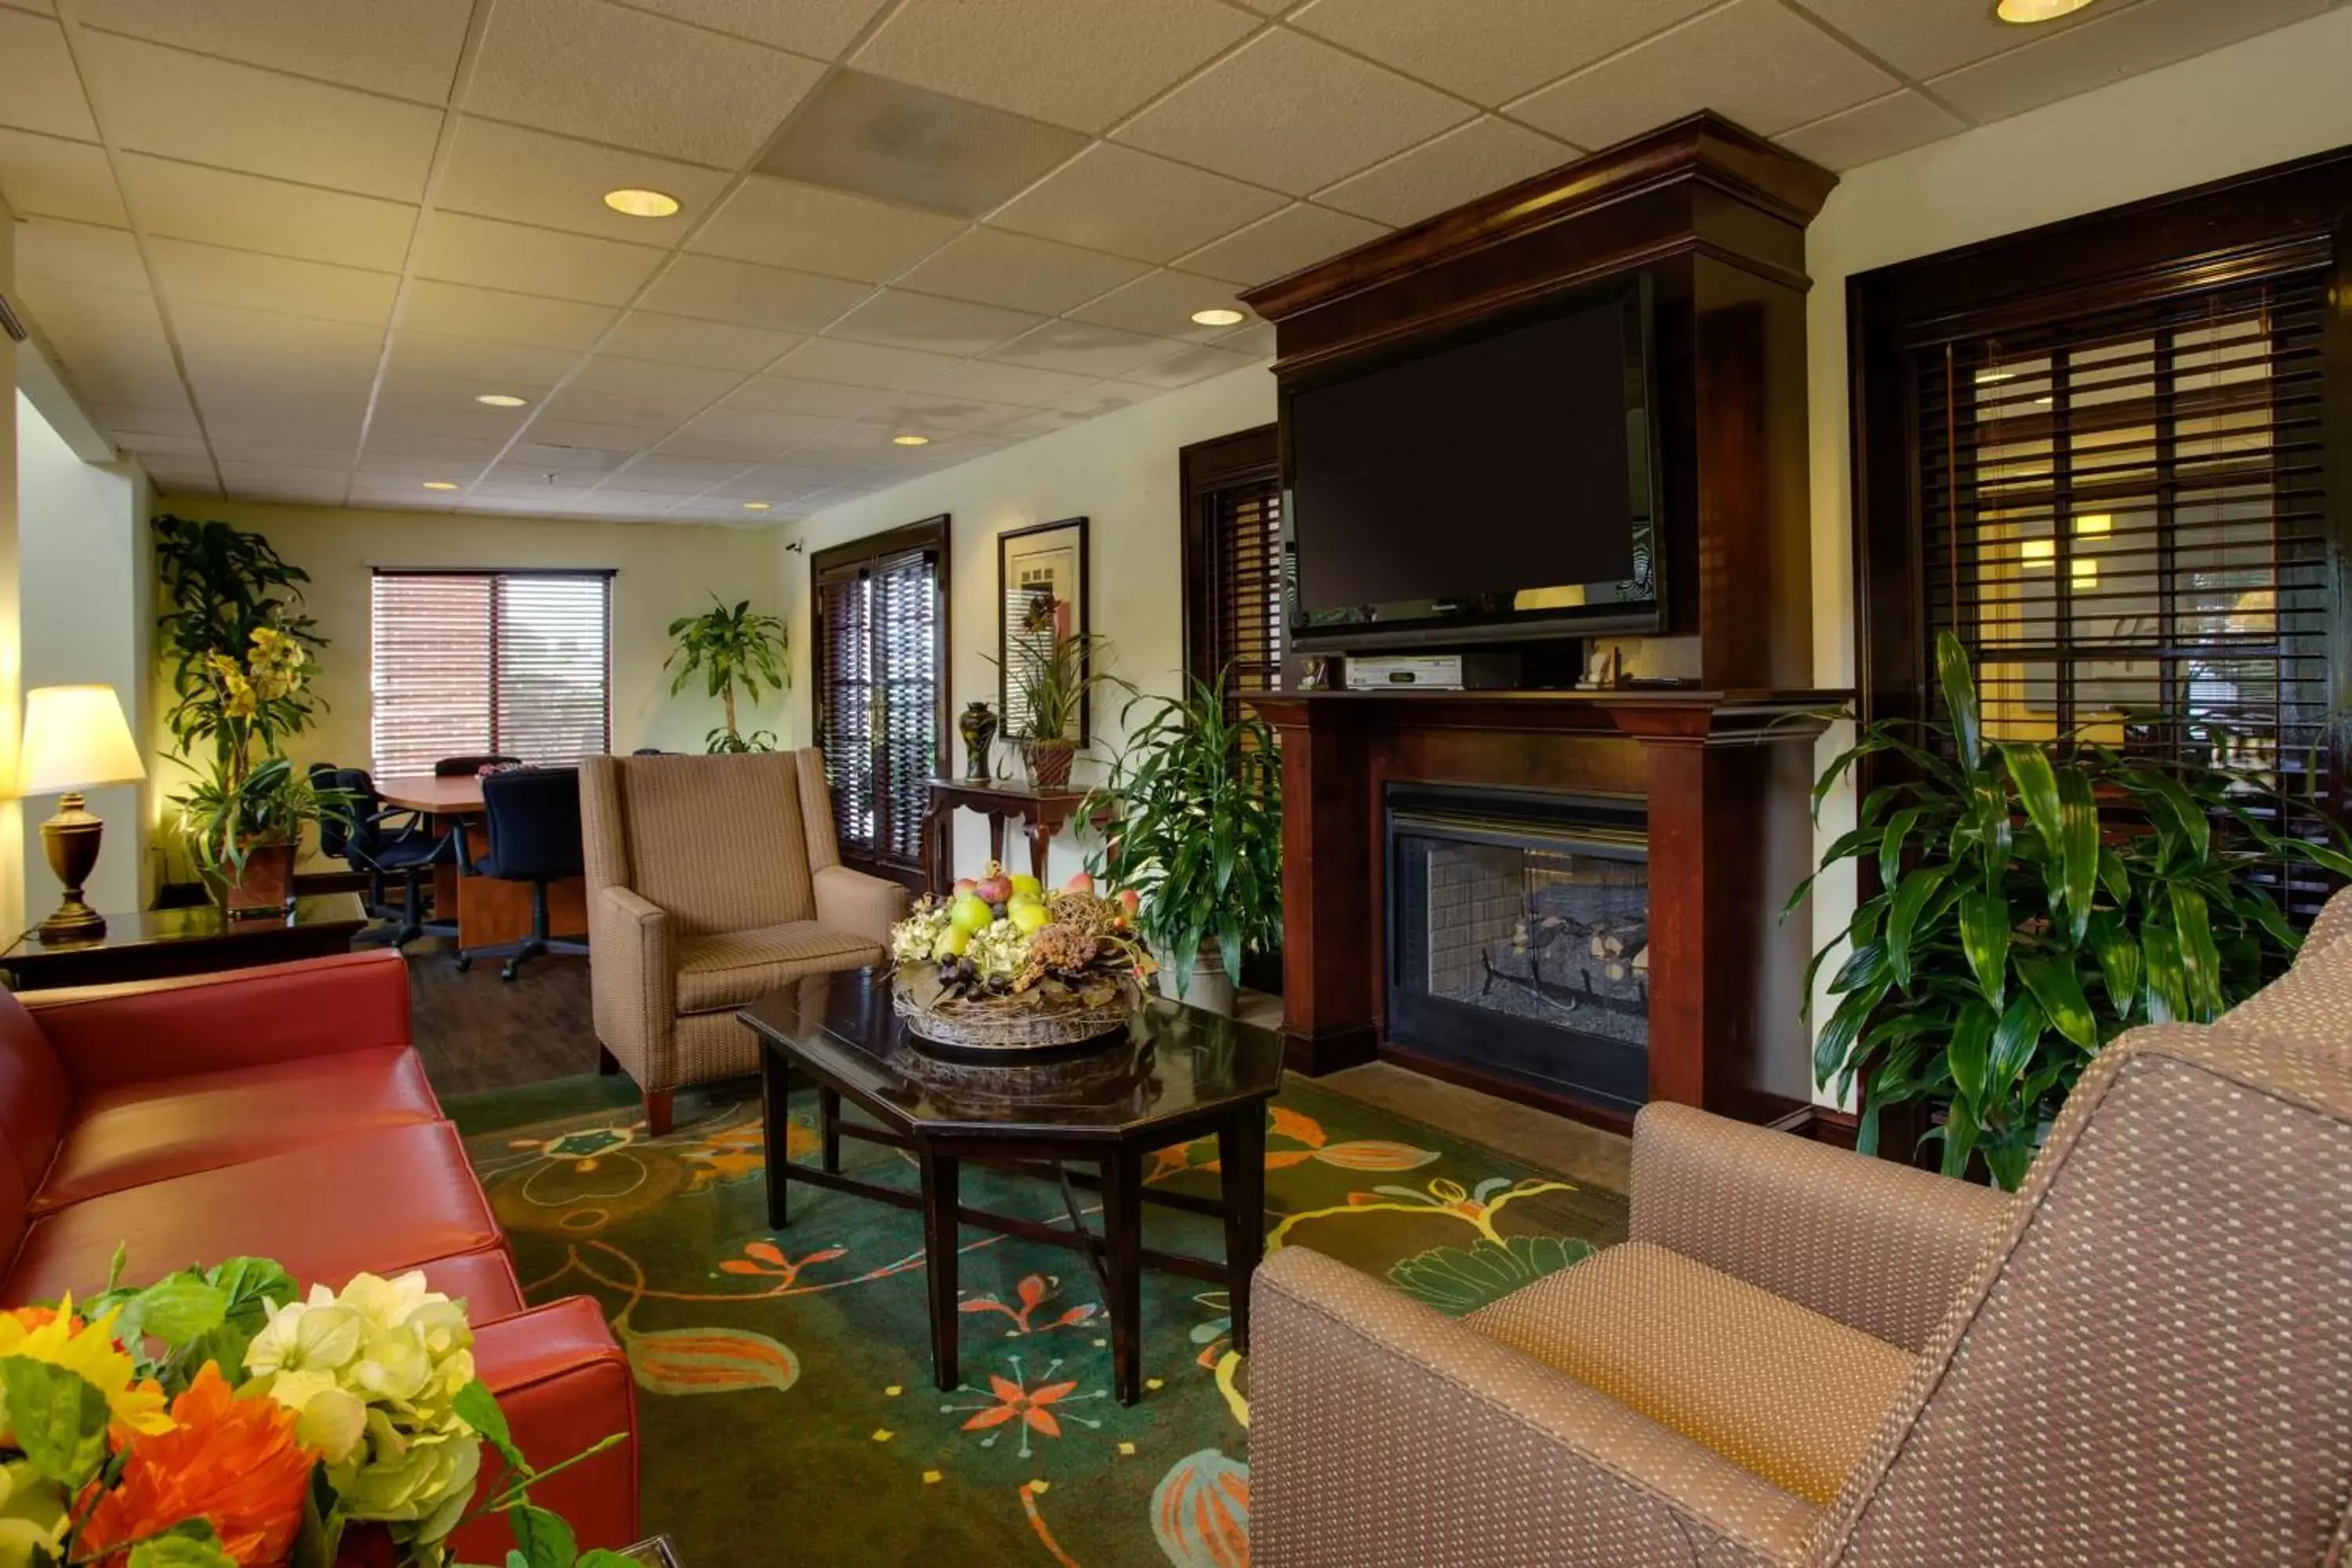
<point x="711" y="881"/>
<point x="1805" y="1357"/>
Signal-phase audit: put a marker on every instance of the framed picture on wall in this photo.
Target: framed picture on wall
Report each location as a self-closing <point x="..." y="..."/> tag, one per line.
<point x="1041" y="590"/>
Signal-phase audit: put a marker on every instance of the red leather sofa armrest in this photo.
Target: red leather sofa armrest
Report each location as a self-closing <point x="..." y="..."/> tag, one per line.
<point x="564" y="1383"/>
<point x="112" y="1035"/>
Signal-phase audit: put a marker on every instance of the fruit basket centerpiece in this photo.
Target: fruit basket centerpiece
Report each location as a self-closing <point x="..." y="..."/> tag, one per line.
<point x="1001" y="964"/>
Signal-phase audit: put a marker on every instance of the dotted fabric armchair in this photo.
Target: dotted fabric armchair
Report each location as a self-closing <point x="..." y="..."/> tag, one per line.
<point x="711" y="881"/>
<point x="1802" y="1357"/>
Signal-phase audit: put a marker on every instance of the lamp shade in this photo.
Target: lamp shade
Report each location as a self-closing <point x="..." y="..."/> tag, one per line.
<point x="76" y="738"/>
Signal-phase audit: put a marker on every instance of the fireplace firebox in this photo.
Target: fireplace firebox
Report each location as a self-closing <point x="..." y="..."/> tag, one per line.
<point x="1518" y="936"/>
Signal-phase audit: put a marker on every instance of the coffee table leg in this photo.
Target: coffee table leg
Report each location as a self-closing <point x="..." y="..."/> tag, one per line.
<point x="1122" y="1211"/>
<point x="776" y="1127"/>
<point x="939" y="1182"/>
<point x="828" y="1115"/>
<point x="1241" y="1156"/>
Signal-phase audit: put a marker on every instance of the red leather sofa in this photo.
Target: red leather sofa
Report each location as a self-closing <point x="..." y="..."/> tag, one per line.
<point x="279" y="1112"/>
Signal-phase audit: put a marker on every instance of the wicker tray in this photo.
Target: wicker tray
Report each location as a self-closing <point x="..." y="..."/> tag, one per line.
<point x="1048" y="1019"/>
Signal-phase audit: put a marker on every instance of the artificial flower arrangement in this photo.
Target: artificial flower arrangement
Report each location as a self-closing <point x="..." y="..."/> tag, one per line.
<point x="213" y="1419"/>
<point x="1003" y="962"/>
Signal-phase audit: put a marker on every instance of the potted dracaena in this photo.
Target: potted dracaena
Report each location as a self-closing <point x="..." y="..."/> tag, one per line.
<point x="730" y="647"/>
<point x="2033" y="901"/>
<point x="1054" y="676"/>
<point x="1190" y="820"/>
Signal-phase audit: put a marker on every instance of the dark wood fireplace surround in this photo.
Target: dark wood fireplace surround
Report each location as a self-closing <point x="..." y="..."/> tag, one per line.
<point x="1715" y="218"/>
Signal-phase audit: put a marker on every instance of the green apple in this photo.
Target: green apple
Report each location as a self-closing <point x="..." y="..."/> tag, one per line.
<point x="971" y="914"/>
<point x="1029" y="915"/>
<point x="951" y="944"/>
<point x="1027" y="886"/>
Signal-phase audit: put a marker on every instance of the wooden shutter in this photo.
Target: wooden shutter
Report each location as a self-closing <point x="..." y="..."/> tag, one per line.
<point x="1233" y="564"/>
<point x="845" y="690"/>
<point x="2122" y="517"/>
<point x="907" y="661"/>
<point x="429" y="664"/>
<point x="551" y="662"/>
<point x="466" y="662"/>
<point x="878" y="606"/>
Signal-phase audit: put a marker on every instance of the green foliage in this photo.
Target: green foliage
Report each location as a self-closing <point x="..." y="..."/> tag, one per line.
<point x="1054" y="683"/>
<point x="2032" y="904"/>
<point x="1192" y="822"/>
<point x="59" y="1419"/>
<point x="729" y="648"/>
<point x="221" y="584"/>
<point x="223" y="818"/>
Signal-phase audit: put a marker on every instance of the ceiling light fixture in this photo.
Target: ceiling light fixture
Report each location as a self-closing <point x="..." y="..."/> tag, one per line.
<point x="2027" y="12"/>
<point x="631" y="201"/>
<point x="910" y="440"/>
<point x="756" y="505"/>
<point x="440" y="484"/>
<point x="1218" y="316"/>
<point x="502" y="399"/>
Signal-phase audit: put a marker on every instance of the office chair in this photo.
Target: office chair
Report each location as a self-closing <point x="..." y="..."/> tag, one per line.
<point x="533" y="817"/>
<point x="383" y="843"/>
<point x="467" y="767"/>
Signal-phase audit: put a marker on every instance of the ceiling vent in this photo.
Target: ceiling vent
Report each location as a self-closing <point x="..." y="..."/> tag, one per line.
<point x="908" y="144"/>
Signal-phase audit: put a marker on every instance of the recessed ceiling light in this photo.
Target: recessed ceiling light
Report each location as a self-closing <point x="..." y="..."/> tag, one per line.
<point x="1218" y="316"/>
<point x="756" y="505"/>
<point x="910" y="440"/>
<point x="502" y="399"/>
<point x="634" y="202"/>
<point x="2027" y="12"/>
<point x="440" y="484"/>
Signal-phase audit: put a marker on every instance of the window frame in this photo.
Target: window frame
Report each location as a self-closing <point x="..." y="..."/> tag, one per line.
<point x="1208" y="470"/>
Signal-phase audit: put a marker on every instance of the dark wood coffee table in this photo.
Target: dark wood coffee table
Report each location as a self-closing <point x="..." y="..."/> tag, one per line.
<point x="1179" y="1074"/>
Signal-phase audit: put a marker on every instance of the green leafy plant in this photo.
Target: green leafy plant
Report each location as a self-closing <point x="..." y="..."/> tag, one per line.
<point x="729" y="648"/>
<point x="2033" y="902"/>
<point x="1191" y="819"/>
<point x="221" y="585"/>
<point x="224" y="815"/>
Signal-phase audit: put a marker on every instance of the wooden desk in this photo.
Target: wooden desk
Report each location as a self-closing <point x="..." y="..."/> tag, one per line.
<point x="1042" y="813"/>
<point x="490" y="912"/>
<point x="162" y="944"/>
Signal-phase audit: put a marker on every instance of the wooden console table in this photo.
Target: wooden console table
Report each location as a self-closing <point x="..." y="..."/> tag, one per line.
<point x="164" y="944"/>
<point x="1043" y="814"/>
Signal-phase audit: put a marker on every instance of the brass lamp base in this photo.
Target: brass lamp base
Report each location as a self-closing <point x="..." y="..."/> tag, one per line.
<point x="70" y="839"/>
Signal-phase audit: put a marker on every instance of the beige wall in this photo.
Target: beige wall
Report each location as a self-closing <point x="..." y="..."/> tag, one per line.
<point x="663" y="570"/>
<point x="12" y="697"/>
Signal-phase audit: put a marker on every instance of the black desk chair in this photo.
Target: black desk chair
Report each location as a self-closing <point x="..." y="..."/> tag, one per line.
<point x="467" y="767"/>
<point x="383" y="843"/>
<point x="533" y="818"/>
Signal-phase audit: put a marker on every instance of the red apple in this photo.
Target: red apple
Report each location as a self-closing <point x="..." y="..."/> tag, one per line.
<point x="994" y="889"/>
<point x="1130" y="900"/>
<point x="1084" y="882"/>
<point x="964" y="885"/>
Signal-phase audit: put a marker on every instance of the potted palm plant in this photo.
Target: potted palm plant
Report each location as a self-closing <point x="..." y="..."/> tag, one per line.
<point x="1191" y="819"/>
<point x="730" y="647"/>
<point x="1054" y="680"/>
<point x="2034" y="901"/>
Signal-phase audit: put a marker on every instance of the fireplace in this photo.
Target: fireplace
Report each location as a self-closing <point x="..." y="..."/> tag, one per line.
<point x="1518" y="936"/>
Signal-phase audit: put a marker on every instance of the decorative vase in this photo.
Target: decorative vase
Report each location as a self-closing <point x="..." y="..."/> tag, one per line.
<point x="979" y="726"/>
<point x="1207" y="987"/>
<point x="1049" y="761"/>
<point x="264" y="887"/>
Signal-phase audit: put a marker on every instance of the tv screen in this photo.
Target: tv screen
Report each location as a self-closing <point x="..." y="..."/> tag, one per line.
<point x="1500" y="479"/>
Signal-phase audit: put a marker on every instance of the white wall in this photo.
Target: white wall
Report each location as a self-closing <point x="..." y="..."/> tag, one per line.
<point x="1119" y="471"/>
<point x="2270" y="100"/>
<point x="12" y="842"/>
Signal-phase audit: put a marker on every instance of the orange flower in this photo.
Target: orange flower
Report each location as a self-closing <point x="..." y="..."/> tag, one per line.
<point x="233" y="1462"/>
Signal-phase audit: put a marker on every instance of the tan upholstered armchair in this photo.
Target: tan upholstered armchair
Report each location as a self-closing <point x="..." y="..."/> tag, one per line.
<point x="1805" y="1357"/>
<point x="711" y="881"/>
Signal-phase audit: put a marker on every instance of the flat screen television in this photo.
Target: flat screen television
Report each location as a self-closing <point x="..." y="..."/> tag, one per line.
<point x="1499" y="486"/>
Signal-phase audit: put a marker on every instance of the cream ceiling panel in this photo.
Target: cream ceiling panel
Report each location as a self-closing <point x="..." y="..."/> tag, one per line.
<point x="79" y="253"/>
<point x="111" y="342"/>
<point x="1927" y="37"/>
<point x="819" y="399"/>
<point x="862" y="365"/>
<point x="675" y="476"/>
<point x="1016" y="270"/>
<point x="897" y="318"/>
<point x="408" y="49"/>
<point x="1186" y="366"/>
<point x="463" y="312"/>
<point x="410" y="389"/>
<point x="455" y="247"/>
<point x="1503" y="50"/>
<point x="780" y="223"/>
<point x="1296" y="237"/>
<point x="530" y="176"/>
<point x="230" y="115"/>
<point x="682" y="340"/>
<point x="820" y="28"/>
<point x="1162" y="304"/>
<point x="671" y="382"/>
<point x="1081" y="63"/>
<point x="399" y="428"/>
<point x="208" y="274"/>
<point x="1879" y="129"/>
<point x="922" y="414"/>
<point x="987" y="380"/>
<point x="1102" y="398"/>
<point x="1465" y="163"/>
<point x="489" y="366"/>
<point x="1083" y="350"/>
<point x="694" y="442"/>
<point x="2108" y="48"/>
<point x="246" y="212"/>
<point x="906" y="144"/>
<point x="752" y="425"/>
<point x="595" y="436"/>
<point x="174" y="420"/>
<point x="634" y="411"/>
<point x="717" y="290"/>
<point x="49" y="176"/>
<point x="1131" y="203"/>
<point x="586" y="69"/>
<point x="40" y="90"/>
<point x="386" y="444"/>
<point x="1753" y="61"/>
<point x="149" y="445"/>
<point x="389" y="465"/>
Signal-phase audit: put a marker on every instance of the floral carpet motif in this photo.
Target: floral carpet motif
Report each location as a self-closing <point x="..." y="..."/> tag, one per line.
<point x="785" y="1389"/>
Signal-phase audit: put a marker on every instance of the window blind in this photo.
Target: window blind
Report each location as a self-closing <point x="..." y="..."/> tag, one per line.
<point x="1245" y="551"/>
<point x="517" y="663"/>
<point x="846" y="702"/>
<point x="880" y="654"/>
<point x="2122" y="520"/>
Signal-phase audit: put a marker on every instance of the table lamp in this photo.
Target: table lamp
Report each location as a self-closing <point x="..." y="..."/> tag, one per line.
<point x="75" y="738"/>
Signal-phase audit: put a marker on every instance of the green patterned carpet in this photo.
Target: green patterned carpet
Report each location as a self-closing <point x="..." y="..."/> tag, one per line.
<point x="785" y="1389"/>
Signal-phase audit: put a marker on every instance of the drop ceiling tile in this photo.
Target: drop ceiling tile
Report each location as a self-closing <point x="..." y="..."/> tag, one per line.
<point x="1103" y="397"/>
<point x="675" y="476"/>
<point x="149" y="445"/>
<point x="1017" y="271"/>
<point x="111" y="342"/>
<point x="1879" y="129"/>
<point x="49" y="176"/>
<point x="79" y="253"/>
<point x="1298" y="235"/>
<point x="2108" y="48"/>
<point x="752" y="425"/>
<point x="1083" y="350"/>
<point x="487" y="367"/>
<point x="1162" y="304"/>
<point x="1256" y="341"/>
<point x="1289" y="111"/>
<point x="455" y="248"/>
<point x="265" y="340"/>
<point x="1514" y="44"/>
<point x="231" y="116"/>
<point x="906" y="144"/>
<point x="40" y="89"/>
<point x="461" y="310"/>
<point x="413" y="389"/>
<point x="717" y="290"/>
<point x="530" y="176"/>
<point x="1927" y="37"/>
<point x="1014" y="384"/>
<point x="263" y="477"/>
<point x="819" y="28"/>
<point x="385" y="444"/>
<point x="1081" y="63"/>
<point x="822" y="399"/>
<point x="402" y="426"/>
<point x="681" y="340"/>
<point x="862" y="365"/>
<point x="1471" y="161"/>
<point x="1131" y="203"/>
<point x="780" y="223"/>
<point x="1188" y="365"/>
<point x="245" y="212"/>
<point x="587" y="68"/>
<point x="650" y="378"/>
<point x="408" y="51"/>
<point x="1753" y="61"/>
<point x="925" y="413"/>
<point x="388" y="465"/>
<point x="776" y="482"/>
<point x="593" y="462"/>
<point x="174" y="420"/>
<point x="284" y="455"/>
<point x="207" y="274"/>
<point x="595" y="436"/>
<point x="632" y="411"/>
<point x="898" y="317"/>
<point x="693" y="442"/>
<point x="1038" y="422"/>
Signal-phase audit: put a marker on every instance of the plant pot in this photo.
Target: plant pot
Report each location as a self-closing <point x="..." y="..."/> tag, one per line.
<point x="1207" y="987"/>
<point x="264" y="887"/>
<point x="1049" y="763"/>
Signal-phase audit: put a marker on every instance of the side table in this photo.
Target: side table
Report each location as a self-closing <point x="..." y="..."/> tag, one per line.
<point x="1041" y="811"/>
<point x="164" y="944"/>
